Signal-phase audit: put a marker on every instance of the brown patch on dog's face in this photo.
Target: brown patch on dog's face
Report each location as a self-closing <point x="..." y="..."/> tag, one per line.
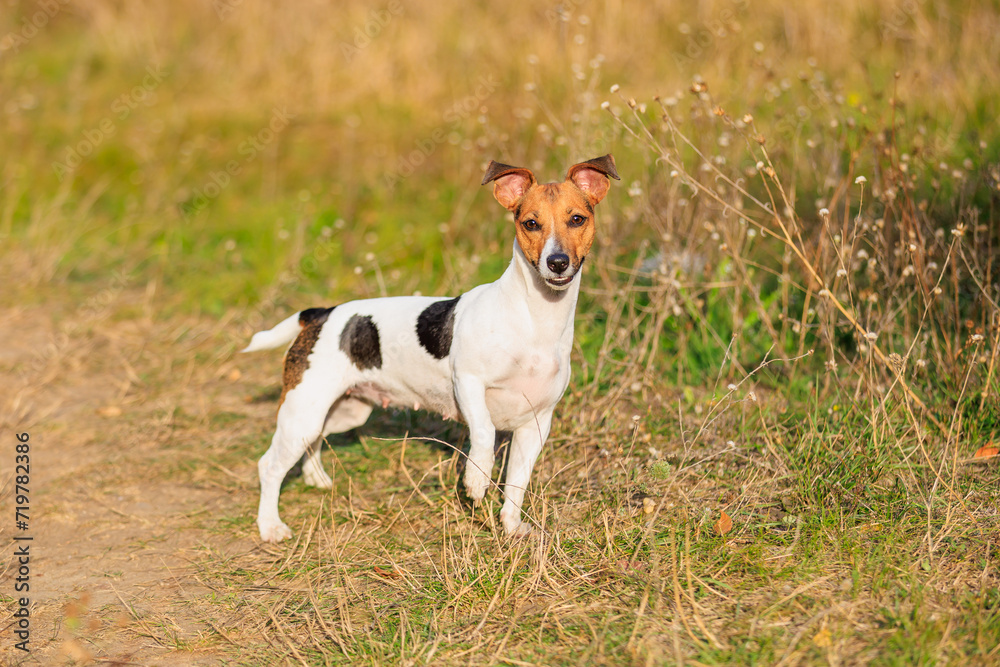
<point x="554" y="222"/>
<point x="557" y="216"/>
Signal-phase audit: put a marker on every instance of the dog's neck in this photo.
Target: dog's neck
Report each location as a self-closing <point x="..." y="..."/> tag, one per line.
<point x="549" y="309"/>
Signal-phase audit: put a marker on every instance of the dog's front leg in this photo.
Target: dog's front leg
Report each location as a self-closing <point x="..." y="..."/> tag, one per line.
<point x="470" y="392"/>
<point x="525" y="447"/>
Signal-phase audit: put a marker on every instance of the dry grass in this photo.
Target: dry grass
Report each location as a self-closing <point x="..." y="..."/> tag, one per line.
<point x="762" y="336"/>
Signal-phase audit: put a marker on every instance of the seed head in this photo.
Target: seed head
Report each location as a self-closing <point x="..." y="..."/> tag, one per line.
<point x="897" y="362"/>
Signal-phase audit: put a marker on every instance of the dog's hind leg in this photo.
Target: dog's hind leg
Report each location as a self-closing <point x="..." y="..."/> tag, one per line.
<point x="301" y="418"/>
<point x="346" y="413"/>
<point x="290" y="441"/>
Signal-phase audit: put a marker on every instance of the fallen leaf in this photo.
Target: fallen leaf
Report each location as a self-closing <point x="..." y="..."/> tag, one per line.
<point x="724" y="524"/>
<point x="387" y="574"/>
<point x="110" y="411"/>
<point x="623" y="565"/>
<point x="987" y="451"/>
<point x="823" y="638"/>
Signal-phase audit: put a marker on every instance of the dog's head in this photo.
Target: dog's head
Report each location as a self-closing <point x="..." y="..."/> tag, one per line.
<point x="554" y="221"/>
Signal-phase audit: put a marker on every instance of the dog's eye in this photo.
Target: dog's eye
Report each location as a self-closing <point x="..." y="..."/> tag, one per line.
<point x="577" y="220"/>
<point x="531" y="224"/>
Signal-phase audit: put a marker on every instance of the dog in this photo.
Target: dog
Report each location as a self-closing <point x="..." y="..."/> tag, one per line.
<point x="496" y="357"/>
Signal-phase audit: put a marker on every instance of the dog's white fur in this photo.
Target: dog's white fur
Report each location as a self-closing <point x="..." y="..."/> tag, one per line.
<point x="507" y="367"/>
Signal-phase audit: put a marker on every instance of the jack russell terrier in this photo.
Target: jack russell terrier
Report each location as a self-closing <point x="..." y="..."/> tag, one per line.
<point x="496" y="357"/>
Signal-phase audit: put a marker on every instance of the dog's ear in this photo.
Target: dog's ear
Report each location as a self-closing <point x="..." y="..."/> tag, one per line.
<point x="592" y="177"/>
<point x="511" y="183"/>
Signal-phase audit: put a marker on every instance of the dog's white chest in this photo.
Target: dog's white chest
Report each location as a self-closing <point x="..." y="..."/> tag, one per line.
<point x="536" y="370"/>
<point x="531" y="383"/>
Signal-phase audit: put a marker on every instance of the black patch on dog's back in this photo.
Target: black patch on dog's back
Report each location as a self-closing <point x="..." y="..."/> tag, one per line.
<point x="435" y="327"/>
<point x="314" y="316"/>
<point x="360" y="342"/>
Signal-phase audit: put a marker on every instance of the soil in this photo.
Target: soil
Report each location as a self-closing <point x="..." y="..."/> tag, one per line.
<point x="126" y="486"/>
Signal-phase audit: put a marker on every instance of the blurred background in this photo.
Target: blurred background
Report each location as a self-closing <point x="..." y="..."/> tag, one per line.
<point x="244" y="159"/>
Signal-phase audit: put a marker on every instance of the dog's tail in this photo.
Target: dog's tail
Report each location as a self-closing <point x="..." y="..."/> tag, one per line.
<point x="282" y="334"/>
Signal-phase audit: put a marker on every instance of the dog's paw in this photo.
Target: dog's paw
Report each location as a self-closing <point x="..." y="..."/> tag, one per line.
<point x="476" y="483"/>
<point x="275" y="532"/>
<point x="318" y="478"/>
<point x="513" y="526"/>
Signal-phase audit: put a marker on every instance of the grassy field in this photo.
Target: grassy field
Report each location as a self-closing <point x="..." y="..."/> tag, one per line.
<point x="776" y="446"/>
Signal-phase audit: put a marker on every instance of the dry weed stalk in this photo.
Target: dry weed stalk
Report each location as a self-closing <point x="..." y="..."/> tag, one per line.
<point x="789" y="234"/>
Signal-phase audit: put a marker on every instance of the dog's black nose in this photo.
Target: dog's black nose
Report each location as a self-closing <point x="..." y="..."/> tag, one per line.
<point x="557" y="263"/>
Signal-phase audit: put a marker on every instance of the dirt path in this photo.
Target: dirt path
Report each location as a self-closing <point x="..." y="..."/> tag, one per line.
<point x="123" y="504"/>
